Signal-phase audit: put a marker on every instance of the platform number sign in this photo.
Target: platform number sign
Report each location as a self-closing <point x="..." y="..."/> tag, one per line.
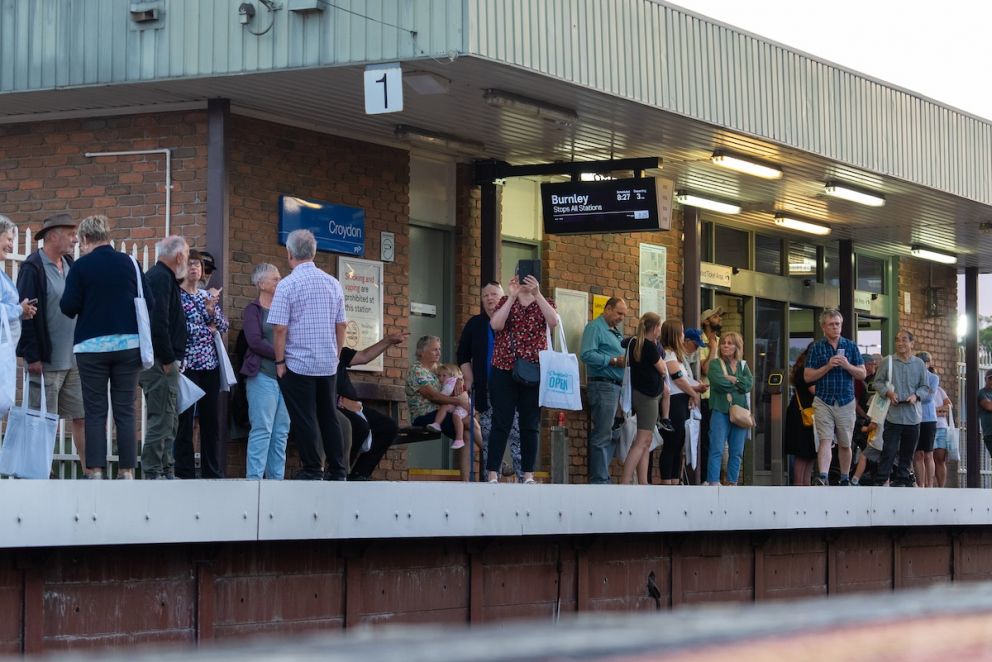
<point x="383" y="88"/>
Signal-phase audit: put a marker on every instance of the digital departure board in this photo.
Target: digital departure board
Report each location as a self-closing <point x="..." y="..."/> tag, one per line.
<point x="613" y="205"/>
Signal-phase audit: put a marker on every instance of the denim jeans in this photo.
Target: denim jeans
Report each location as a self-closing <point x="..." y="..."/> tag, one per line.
<point x="603" y="399"/>
<point x="723" y="432"/>
<point x="269" y="428"/>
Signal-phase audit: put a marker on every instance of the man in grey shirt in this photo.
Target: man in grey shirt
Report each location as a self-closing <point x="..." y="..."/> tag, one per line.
<point x="905" y="385"/>
<point x="46" y="341"/>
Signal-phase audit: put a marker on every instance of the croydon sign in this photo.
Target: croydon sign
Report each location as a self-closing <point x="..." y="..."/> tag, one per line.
<point x="337" y="228"/>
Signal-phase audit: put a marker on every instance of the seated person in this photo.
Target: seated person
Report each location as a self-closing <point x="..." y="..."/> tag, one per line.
<point x="423" y="389"/>
<point x="365" y="422"/>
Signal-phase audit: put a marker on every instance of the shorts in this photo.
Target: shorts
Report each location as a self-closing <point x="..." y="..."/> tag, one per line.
<point x="834" y="423"/>
<point x="646" y="409"/>
<point x="940" y="439"/>
<point x="63" y="393"/>
<point x="928" y="432"/>
<point x="873" y="455"/>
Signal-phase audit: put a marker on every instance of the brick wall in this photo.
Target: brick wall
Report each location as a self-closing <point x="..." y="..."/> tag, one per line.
<point x="605" y="264"/>
<point x="267" y="160"/>
<point x="935" y="330"/>
<point x="44" y="170"/>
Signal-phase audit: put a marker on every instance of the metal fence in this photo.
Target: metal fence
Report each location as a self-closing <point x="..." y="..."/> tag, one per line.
<point x="66" y="464"/>
<point x="961" y="416"/>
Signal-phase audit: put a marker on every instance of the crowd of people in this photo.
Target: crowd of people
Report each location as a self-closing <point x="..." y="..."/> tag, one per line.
<point x="851" y="419"/>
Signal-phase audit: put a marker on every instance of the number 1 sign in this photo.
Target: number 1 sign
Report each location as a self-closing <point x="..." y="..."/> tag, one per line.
<point x="383" y="88"/>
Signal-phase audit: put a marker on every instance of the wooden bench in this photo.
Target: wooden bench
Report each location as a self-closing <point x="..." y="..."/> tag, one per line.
<point x="387" y="399"/>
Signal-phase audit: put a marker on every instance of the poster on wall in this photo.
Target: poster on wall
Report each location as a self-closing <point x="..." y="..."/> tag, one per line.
<point x="362" y="283"/>
<point x="653" y="274"/>
<point x="598" y="304"/>
<point x="573" y="308"/>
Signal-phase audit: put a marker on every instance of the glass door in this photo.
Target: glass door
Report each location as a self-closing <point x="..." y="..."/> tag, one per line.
<point x="769" y="335"/>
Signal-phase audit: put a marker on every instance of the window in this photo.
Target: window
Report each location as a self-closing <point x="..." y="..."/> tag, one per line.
<point x="768" y="255"/>
<point x="802" y="260"/>
<point x="831" y="265"/>
<point x="870" y="273"/>
<point x="706" y="242"/>
<point x="730" y="247"/>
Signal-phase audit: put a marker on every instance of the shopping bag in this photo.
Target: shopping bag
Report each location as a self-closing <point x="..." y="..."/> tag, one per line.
<point x="692" y="441"/>
<point x="628" y="430"/>
<point x="878" y="408"/>
<point x="189" y="393"/>
<point x="559" y="387"/>
<point x="8" y="367"/>
<point x="228" y="378"/>
<point x="953" y="439"/>
<point x="29" y="442"/>
<point x="144" y="323"/>
<point x="875" y="437"/>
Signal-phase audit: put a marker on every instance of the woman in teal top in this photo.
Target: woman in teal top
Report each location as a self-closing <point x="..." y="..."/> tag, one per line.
<point x="730" y="382"/>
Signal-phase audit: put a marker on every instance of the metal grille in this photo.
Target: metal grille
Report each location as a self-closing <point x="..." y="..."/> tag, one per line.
<point x="961" y="416"/>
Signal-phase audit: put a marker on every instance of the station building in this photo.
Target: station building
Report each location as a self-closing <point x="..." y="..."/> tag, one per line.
<point x="173" y="116"/>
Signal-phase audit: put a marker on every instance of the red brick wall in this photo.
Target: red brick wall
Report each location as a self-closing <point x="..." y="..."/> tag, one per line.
<point x="44" y="170"/>
<point x="266" y="160"/>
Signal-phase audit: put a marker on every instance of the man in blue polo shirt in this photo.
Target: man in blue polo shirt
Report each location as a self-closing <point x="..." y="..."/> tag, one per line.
<point x="604" y="359"/>
<point x="833" y="363"/>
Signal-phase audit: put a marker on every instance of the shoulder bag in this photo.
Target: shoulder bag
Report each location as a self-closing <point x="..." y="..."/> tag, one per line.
<point x="527" y="373"/>
<point x="739" y="416"/>
<point x="807" y="412"/>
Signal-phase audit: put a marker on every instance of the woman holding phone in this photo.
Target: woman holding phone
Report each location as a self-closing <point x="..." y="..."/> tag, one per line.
<point x="520" y="323"/>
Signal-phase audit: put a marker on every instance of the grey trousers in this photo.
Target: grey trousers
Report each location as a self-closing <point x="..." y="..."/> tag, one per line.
<point x="161" y="392"/>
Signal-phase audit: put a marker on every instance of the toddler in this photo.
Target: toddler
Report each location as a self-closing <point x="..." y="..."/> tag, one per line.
<point x="452" y="385"/>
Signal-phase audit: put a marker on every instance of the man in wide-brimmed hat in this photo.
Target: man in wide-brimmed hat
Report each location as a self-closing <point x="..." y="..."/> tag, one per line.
<point x="47" y="340"/>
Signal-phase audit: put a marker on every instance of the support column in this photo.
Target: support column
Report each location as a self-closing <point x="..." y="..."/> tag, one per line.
<point x="845" y="251"/>
<point x="691" y="257"/>
<point x="974" y="447"/>
<point x="218" y="111"/>
<point x="491" y="233"/>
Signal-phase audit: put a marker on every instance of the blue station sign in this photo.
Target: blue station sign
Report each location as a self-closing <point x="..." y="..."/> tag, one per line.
<point x="338" y="228"/>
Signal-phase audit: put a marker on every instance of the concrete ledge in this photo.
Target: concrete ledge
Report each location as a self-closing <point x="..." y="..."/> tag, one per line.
<point x="76" y="513"/>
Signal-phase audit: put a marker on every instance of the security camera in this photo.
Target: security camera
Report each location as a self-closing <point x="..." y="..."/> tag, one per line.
<point x="246" y="12"/>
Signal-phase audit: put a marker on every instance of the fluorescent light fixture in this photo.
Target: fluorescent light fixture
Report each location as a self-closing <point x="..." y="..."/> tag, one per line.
<point x="557" y="115"/>
<point x="746" y="165"/>
<point x="933" y="254"/>
<point x="793" y="223"/>
<point x="426" y="82"/>
<point x="692" y="200"/>
<point x="847" y="192"/>
<point x="435" y="139"/>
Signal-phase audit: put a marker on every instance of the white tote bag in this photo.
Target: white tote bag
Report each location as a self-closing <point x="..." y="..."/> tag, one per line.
<point x="953" y="439"/>
<point x="559" y="387"/>
<point x="8" y="367"/>
<point x="878" y="408"/>
<point x="29" y="442"/>
<point x="189" y="393"/>
<point x="144" y="323"/>
<point x="627" y="433"/>
<point x="227" y="376"/>
<point x="626" y="388"/>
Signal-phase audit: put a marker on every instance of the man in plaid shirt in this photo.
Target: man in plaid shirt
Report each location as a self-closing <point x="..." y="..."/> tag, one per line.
<point x="307" y="314"/>
<point x="833" y="363"/>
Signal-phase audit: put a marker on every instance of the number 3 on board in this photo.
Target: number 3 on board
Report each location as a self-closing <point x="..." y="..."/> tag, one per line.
<point x="383" y="88"/>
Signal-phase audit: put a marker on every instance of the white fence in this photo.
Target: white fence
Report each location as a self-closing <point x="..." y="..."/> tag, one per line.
<point x="960" y="416"/>
<point x="66" y="460"/>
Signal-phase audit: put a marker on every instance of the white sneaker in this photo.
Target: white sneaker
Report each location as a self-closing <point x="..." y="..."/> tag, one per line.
<point x="433" y="426"/>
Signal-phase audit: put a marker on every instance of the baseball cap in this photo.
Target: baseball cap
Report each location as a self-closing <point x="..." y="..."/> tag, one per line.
<point x="695" y="335"/>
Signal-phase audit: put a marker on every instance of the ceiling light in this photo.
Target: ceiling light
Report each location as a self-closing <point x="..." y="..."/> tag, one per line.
<point x="792" y="223"/>
<point x="746" y="165"/>
<point x="426" y="82"/>
<point x="557" y="115"/>
<point x="846" y="192"/>
<point x="691" y="200"/>
<point x="933" y="254"/>
<point x="442" y="140"/>
<point x="595" y="177"/>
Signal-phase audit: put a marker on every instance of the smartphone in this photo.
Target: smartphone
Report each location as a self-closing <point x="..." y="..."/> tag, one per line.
<point x="33" y="302"/>
<point x="840" y="352"/>
<point x="528" y="268"/>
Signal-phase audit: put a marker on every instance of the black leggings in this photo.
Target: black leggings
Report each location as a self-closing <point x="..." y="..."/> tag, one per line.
<point x="670" y="461"/>
<point x="928" y="432"/>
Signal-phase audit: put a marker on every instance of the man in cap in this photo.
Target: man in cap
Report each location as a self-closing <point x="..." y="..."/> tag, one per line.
<point x="710" y="319"/>
<point x="46" y="340"/>
<point x="604" y="359"/>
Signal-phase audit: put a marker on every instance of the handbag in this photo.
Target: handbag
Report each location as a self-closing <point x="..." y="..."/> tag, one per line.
<point x="29" y="442"/>
<point x="739" y="416"/>
<point x="144" y="324"/>
<point x="8" y="366"/>
<point x="953" y="439"/>
<point x="228" y="377"/>
<point x="807" y="412"/>
<point x="524" y="372"/>
<point x="559" y="374"/>
<point x="878" y="409"/>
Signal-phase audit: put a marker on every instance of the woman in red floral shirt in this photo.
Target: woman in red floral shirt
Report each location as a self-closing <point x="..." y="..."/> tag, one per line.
<point x="520" y="322"/>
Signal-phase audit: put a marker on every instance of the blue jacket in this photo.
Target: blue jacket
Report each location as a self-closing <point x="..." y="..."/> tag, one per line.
<point x="100" y="291"/>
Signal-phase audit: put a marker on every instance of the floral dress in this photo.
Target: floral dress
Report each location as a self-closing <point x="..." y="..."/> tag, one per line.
<point x="201" y="353"/>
